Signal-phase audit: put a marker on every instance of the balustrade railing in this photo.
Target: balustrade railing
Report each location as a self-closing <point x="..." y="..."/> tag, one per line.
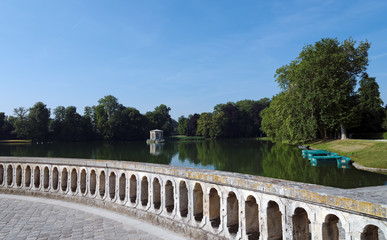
<point x="201" y="202"/>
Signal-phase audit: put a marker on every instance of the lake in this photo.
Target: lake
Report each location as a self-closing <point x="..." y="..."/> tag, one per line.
<point x="255" y="157"/>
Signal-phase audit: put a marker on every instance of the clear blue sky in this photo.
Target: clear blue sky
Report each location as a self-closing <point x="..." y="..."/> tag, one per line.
<point x="189" y="55"/>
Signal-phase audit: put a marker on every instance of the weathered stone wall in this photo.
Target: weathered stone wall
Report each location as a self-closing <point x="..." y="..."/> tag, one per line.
<point x="204" y="204"/>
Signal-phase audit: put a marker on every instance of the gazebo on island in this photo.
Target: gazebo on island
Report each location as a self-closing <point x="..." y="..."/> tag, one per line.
<point x="156" y="136"/>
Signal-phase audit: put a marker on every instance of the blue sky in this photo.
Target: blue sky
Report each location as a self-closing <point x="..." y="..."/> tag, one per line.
<point x="189" y="55"/>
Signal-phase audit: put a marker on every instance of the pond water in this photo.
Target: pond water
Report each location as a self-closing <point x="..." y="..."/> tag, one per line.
<point x="249" y="156"/>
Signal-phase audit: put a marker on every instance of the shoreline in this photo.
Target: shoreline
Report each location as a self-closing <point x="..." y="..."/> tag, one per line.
<point x="361" y="167"/>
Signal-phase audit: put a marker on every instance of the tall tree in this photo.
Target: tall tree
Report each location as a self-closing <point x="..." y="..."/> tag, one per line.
<point x="321" y="82"/>
<point x="182" y="127"/>
<point x="192" y="124"/>
<point x="204" y="125"/>
<point x="110" y="105"/>
<point x="39" y="119"/>
<point x="370" y="105"/>
<point x="161" y="119"/>
<point x="21" y="124"/>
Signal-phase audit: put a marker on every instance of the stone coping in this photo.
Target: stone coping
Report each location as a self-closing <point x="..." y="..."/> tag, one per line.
<point x="361" y="167"/>
<point x="368" y="201"/>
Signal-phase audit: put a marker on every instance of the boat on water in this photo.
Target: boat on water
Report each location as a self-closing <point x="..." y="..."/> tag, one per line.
<point x="309" y="154"/>
<point x="322" y="158"/>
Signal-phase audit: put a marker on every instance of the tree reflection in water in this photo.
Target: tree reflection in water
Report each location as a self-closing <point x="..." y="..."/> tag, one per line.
<point x="248" y="156"/>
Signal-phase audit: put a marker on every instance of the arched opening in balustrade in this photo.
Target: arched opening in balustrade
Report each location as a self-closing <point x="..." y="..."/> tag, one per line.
<point x="198" y="202"/>
<point x="169" y="197"/>
<point x="332" y="228"/>
<point x="274" y="221"/>
<point x="74" y="180"/>
<point x="1" y="174"/>
<point x="122" y="187"/>
<point x="183" y="199"/>
<point x="156" y="193"/>
<point x="232" y="213"/>
<point x="18" y="176"/>
<point x="37" y="177"/>
<point x="102" y="183"/>
<point x="93" y="182"/>
<point x="252" y="220"/>
<point x="112" y="185"/>
<point x="372" y="232"/>
<point x="9" y="175"/>
<point x="46" y="178"/>
<point x="214" y="208"/>
<point x="133" y="189"/>
<point x="144" y="191"/>
<point x="55" y="178"/>
<point x="300" y="224"/>
<point x="83" y="181"/>
<point x="64" y="179"/>
<point x="27" y="177"/>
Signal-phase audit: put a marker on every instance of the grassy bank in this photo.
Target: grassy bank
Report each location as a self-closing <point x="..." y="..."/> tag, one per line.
<point x="368" y="153"/>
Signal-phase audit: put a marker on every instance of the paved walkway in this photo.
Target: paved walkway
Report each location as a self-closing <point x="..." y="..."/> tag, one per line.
<point x="25" y="217"/>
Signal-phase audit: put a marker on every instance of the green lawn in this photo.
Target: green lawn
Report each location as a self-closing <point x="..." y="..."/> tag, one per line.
<point x="368" y="153"/>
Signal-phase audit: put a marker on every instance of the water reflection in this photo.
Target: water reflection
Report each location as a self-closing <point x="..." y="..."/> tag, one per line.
<point x="155" y="148"/>
<point x="254" y="157"/>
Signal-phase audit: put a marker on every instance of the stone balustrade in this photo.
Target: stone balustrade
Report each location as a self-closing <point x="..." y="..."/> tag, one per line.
<point x="204" y="204"/>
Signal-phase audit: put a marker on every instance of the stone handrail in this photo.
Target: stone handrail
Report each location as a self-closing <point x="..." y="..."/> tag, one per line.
<point x="201" y="203"/>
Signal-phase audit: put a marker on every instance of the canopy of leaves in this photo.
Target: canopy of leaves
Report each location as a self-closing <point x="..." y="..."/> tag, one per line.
<point x="318" y="91"/>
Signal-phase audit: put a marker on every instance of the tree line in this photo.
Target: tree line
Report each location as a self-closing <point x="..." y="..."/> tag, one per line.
<point x="230" y="120"/>
<point x="320" y="98"/>
<point x="109" y="120"/>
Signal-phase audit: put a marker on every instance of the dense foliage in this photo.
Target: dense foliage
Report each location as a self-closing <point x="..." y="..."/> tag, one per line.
<point x="319" y="97"/>
<point x="231" y="120"/>
<point x="109" y="120"/>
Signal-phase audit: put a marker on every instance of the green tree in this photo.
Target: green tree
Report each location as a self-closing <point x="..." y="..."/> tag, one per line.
<point x="110" y="105"/>
<point x="384" y="123"/>
<point x="192" y="124"/>
<point x="217" y="125"/>
<point x="107" y="117"/>
<point x="320" y="84"/>
<point x="204" y="125"/>
<point x="161" y="119"/>
<point x="101" y="122"/>
<point x="182" y="125"/>
<point x="5" y="127"/>
<point x="370" y="105"/>
<point x="88" y="126"/>
<point x="38" y="119"/>
<point x="20" y="123"/>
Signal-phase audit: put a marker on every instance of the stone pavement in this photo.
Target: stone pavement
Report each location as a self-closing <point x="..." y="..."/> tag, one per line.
<point x="25" y="217"/>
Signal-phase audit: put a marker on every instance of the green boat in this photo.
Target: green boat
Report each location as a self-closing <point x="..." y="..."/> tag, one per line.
<point x="325" y="159"/>
<point x="321" y="154"/>
<point x="323" y="164"/>
<point x="306" y="153"/>
<point x="344" y="166"/>
<point x="344" y="161"/>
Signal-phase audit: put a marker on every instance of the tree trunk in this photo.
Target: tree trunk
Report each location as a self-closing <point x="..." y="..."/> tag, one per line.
<point x="343" y="131"/>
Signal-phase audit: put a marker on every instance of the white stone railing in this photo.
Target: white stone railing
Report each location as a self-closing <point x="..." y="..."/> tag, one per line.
<point x="202" y="203"/>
